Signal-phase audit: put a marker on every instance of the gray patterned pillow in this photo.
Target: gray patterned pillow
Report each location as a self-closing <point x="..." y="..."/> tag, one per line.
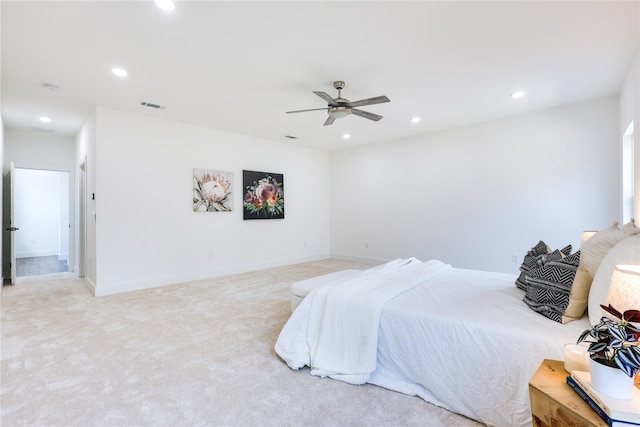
<point x="549" y="286"/>
<point x="531" y="261"/>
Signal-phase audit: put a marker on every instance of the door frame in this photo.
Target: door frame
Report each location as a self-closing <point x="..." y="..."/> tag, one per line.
<point x="82" y="218"/>
<point x="72" y="202"/>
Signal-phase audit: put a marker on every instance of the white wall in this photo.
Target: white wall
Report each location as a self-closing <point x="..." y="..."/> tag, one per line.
<point x="146" y="231"/>
<point x="630" y="111"/>
<point x="475" y="196"/>
<point x="38" y="150"/>
<point x="41" y="212"/>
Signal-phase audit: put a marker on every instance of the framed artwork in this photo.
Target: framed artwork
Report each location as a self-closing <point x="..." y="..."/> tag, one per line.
<point x="212" y="191"/>
<point x="263" y="195"/>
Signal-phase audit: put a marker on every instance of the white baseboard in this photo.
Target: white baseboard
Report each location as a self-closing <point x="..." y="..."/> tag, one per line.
<point x="32" y="254"/>
<point x="372" y="261"/>
<point x="91" y="286"/>
<point x="122" y="287"/>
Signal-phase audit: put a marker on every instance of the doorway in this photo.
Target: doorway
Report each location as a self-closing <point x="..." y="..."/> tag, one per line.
<point x="41" y="214"/>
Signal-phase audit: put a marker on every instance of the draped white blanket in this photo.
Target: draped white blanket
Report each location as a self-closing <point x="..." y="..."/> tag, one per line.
<point x="335" y="328"/>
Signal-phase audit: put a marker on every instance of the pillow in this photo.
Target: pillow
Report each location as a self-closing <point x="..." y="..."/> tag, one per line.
<point x="593" y="252"/>
<point x="579" y="296"/>
<point x="566" y="251"/>
<point x="539" y="261"/>
<point x="630" y="228"/>
<point x="535" y="258"/>
<point x="549" y="286"/>
<point x="531" y="261"/>
<point x="597" y="247"/>
<point x="626" y="251"/>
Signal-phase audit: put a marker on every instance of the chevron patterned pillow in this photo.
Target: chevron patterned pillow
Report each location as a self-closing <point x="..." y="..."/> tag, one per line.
<point x="549" y="286"/>
<point x="531" y="261"/>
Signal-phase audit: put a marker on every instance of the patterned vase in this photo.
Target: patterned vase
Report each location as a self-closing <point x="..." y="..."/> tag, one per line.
<point x="610" y="381"/>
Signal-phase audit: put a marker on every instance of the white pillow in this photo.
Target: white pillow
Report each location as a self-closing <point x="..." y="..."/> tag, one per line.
<point x="593" y="251"/>
<point x="627" y="251"/>
<point x="629" y="228"/>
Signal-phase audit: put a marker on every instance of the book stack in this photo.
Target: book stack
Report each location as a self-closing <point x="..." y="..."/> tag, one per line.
<point x="615" y="412"/>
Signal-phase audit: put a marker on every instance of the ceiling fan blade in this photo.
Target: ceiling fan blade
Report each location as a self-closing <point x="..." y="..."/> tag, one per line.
<point x="329" y="121"/>
<point x="311" y="109"/>
<point x="366" y="114"/>
<point x="326" y="97"/>
<point x="369" y="101"/>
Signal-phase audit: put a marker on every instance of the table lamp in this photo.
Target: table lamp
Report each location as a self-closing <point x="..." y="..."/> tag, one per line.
<point x="624" y="291"/>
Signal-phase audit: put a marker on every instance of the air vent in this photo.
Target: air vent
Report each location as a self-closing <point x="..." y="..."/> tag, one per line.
<point x="152" y="105"/>
<point x="50" y="87"/>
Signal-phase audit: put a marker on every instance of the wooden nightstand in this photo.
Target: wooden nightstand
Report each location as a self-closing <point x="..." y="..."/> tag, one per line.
<point x="554" y="403"/>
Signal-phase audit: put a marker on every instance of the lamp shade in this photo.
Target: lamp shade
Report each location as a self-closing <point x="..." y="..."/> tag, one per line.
<point x="624" y="291"/>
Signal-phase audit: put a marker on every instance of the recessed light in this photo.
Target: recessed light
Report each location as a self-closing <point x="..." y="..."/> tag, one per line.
<point x="518" y="94"/>
<point x="119" y="72"/>
<point x="415" y="120"/>
<point x="166" y="5"/>
<point x="346" y="136"/>
<point x="45" y="119"/>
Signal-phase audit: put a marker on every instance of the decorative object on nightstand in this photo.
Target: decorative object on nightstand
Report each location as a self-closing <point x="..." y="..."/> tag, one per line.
<point x="623" y="412"/>
<point x="615" y="355"/>
<point x="576" y="357"/>
<point x="613" y="345"/>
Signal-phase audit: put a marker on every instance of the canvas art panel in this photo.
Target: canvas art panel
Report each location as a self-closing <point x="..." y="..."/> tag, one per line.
<point x="263" y="195"/>
<point x="212" y="191"/>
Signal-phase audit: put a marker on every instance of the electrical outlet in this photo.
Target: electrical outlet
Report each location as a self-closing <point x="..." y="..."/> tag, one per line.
<point x="514" y="259"/>
<point x="366" y="245"/>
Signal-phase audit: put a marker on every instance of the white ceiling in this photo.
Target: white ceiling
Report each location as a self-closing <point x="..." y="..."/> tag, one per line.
<point x="238" y="66"/>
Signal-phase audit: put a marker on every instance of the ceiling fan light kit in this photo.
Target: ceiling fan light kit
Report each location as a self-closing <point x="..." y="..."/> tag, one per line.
<point x="339" y="112"/>
<point x="340" y="107"/>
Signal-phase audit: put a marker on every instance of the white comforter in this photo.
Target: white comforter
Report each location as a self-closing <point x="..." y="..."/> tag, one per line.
<point x="461" y="339"/>
<point x="337" y="333"/>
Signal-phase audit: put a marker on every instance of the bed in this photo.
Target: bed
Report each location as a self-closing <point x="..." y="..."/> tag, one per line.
<point x="462" y="339"/>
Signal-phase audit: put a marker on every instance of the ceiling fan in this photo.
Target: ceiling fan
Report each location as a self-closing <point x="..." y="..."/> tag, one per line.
<point x="340" y="107"/>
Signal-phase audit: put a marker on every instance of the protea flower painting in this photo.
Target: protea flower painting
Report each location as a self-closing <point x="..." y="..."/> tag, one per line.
<point x="212" y="191"/>
<point x="264" y="195"/>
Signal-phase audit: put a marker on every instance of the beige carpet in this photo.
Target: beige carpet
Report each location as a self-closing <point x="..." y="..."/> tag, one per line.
<point x="194" y="354"/>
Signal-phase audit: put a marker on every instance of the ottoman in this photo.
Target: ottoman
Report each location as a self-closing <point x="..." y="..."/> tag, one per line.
<point x="301" y="289"/>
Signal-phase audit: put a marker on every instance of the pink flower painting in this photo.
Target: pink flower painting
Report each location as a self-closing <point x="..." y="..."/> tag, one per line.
<point x="263" y="195"/>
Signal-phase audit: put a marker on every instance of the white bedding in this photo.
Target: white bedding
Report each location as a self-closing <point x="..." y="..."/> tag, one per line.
<point x="461" y="339"/>
<point x="342" y="335"/>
